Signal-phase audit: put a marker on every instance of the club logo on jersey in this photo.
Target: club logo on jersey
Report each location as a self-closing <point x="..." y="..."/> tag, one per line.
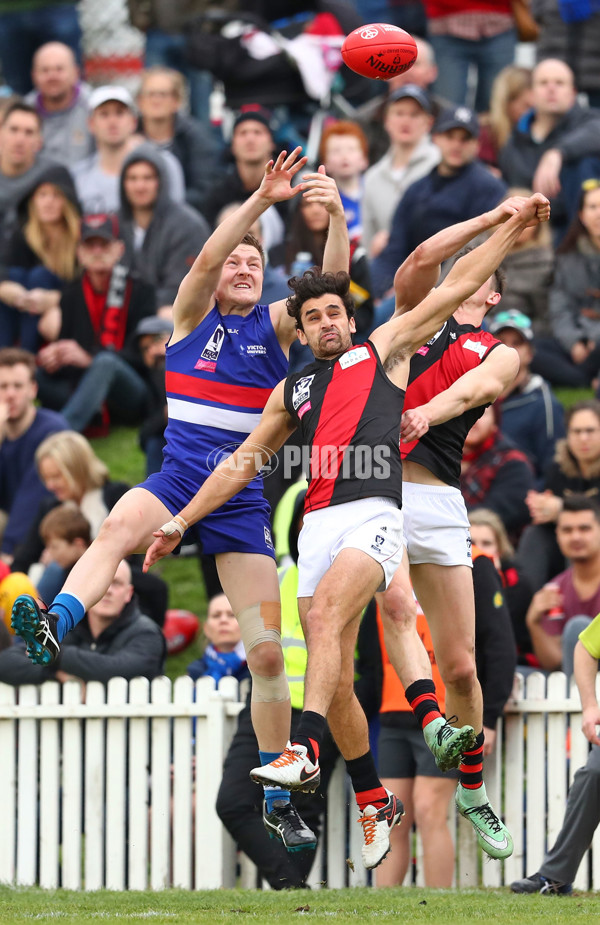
<point x="477" y="347"/>
<point x="210" y="354"/>
<point x="424" y="350"/>
<point x="354" y="356"/>
<point x="301" y="392"/>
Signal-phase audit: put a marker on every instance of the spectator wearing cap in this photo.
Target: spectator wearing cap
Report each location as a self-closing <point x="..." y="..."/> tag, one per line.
<point x="555" y="146"/>
<point x="113" y="125"/>
<point x="61" y="100"/>
<point x="152" y="335"/>
<point x="252" y="145"/>
<point x="459" y="188"/>
<point x="162" y="238"/>
<point x="160" y="100"/>
<point x="532" y="416"/>
<point x="90" y="358"/>
<point x="407" y="121"/>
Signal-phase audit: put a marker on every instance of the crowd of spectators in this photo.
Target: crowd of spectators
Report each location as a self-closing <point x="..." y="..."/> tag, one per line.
<point x="107" y="196"/>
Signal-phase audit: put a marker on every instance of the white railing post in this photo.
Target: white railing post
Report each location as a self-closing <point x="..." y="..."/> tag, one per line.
<point x="8" y="781"/>
<point x="183" y="788"/>
<point x="72" y="788"/>
<point x="49" y="789"/>
<point x="160" y="789"/>
<point x="95" y="776"/>
<point x="27" y="791"/>
<point x="116" y="780"/>
<point x="137" y="791"/>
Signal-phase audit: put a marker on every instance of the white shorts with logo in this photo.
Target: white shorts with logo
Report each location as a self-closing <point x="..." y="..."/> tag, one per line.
<point x="373" y="525"/>
<point x="436" y="526"/>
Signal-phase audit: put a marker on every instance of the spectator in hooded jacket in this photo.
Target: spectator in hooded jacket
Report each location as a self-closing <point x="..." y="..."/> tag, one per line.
<point x="41" y="258"/>
<point x="556" y="145"/>
<point x="162" y="237"/>
<point x="532" y="416"/>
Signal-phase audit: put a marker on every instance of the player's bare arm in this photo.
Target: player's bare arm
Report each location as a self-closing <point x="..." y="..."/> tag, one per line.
<point x="406" y="333"/>
<point x="230" y="476"/>
<point x="195" y="297"/>
<point x="318" y="187"/>
<point x="479" y="386"/>
<point x="420" y="271"/>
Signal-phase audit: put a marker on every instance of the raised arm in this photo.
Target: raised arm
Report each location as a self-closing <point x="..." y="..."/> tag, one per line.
<point x="195" y="295"/>
<point x="420" y="271"/>
<point x="318" y="187"/>
<point x="230" y="476"/>
<point x="585" y="667"/>
<point x="478" y="386"/>
<point x="406" y="333"/>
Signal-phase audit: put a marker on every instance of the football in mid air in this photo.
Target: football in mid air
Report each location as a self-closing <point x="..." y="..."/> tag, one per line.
<point x="379" y="51"/>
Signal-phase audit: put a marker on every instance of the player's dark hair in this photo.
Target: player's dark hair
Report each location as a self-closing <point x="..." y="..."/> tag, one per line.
<point x="574" y="503"/>
<point x="314" y="283"/>
<point x="21" y="106"/>
<point x="253" y="241"/>
<point x="498" y="277"/>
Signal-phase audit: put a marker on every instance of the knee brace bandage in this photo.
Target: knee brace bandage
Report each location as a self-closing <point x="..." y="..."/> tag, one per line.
<point x="262" y="623"/>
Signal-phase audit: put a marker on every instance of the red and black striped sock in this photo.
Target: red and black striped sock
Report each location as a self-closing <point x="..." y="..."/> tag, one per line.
<point x="423" y="701"/>
<point x="470" y="770"/>
<point x="365" y="782"/>
<point x="310" y="732"/>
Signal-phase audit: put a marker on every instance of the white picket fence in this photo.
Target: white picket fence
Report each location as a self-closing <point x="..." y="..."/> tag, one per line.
<point x="97" y="788"/>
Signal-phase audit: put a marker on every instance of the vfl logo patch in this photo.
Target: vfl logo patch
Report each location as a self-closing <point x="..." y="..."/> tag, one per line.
<point x="476" y="347"/>
<point x="424" y="350"/>
<point x="301" y="391"/>
<point x="210" y="354"/>
<point x="354" y="356"/>
<point x="379" y="541"/>
<point x="268" y="538"/>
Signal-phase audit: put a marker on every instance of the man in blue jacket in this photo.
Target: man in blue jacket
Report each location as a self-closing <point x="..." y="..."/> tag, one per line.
<point x="459" y="188"/>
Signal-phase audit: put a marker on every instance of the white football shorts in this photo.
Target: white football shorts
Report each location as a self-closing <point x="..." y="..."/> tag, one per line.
<point x="373" y="525"/>
<point x="436" y="526"/>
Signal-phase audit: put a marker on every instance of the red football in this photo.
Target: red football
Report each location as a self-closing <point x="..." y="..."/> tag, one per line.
<point x="379" y="51"/>
<point x="180" y="629"/>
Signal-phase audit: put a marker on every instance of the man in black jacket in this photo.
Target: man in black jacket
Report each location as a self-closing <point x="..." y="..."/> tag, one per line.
<point x="556" y="145"/>
<point x="90" y="360"/>
<point x="115" y="639"/>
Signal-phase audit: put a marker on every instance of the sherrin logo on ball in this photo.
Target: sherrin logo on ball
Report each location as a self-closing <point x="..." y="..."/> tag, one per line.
<point x="379" y="51"/>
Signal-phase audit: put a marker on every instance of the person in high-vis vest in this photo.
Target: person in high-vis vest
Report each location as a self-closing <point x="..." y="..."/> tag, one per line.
<point x="405" y="763"/>
<point x="239" y="802"/>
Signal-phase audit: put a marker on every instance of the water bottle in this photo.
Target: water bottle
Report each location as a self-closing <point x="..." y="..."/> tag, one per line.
<point x="303" y="261"/>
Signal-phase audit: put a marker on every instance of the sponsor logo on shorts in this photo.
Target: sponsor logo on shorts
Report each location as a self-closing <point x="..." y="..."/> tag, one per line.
<point x="352" y="357"/>
<point x="378" y="544"/>
<point x="469" y="545"/>
<point x="268" y="538"/>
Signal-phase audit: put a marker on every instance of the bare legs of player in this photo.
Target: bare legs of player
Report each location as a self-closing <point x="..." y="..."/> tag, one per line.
<point x="249" y="579"/>
<point x="446" y="595"/>
<point x="426" y="801"/>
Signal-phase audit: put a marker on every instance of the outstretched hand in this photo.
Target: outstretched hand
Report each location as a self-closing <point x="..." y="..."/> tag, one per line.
<point x="160" y="548"/>
<point x="276" y="185"/>
<point x="318" y="187"/>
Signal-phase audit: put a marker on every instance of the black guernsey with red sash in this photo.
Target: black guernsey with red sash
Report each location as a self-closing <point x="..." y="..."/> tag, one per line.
<point x="453" y="351"/>
<point x="348" y="412"/>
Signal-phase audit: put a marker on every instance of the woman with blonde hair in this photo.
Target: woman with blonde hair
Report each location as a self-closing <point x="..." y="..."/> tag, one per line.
<point x="72" y="472"/>
<point x="41" y="258"/>
<point x="510" y="99"/>
<point x="489" y="534"/>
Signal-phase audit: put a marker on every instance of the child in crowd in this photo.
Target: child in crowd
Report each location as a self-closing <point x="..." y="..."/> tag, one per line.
<point x="344" y="151"/>
<point x="66" y="535"/>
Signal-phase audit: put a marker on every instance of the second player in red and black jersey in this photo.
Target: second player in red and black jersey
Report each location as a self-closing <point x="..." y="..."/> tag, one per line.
<point x="348" y="412"/>
<point x="453" y="351"/>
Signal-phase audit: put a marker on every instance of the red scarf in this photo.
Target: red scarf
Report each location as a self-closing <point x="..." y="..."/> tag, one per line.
<point x="108" y="310"/>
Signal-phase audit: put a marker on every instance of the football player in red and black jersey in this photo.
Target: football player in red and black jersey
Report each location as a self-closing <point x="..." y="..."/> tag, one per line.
<point x="348" y="410"/>
<point x="453" y="377"/>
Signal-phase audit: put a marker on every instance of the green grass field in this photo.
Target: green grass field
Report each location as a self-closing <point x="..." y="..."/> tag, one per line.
<point x="399" y="906"/>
